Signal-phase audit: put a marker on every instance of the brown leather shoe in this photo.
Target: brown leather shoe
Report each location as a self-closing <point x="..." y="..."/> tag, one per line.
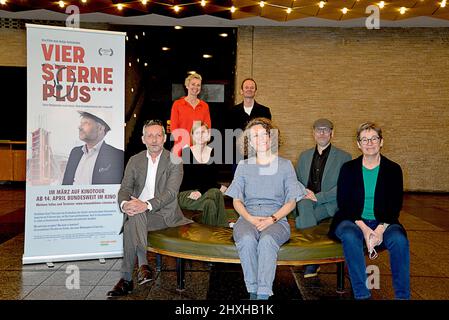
<point x="122" y="288"/>
<point x="144" y="274"/>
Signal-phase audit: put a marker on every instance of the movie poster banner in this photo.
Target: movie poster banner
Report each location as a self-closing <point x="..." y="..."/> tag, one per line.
<point x="75" y="143"/>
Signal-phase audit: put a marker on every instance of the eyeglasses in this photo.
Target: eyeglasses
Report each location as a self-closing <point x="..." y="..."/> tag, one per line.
<point x="365" y="141"/>
<point x="323" y="130"/>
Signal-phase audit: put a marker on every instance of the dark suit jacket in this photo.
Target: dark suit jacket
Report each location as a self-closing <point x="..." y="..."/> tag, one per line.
<point x="168" y="179"/>
<point x="351" y="193"/>
<point x="239" y="118"/>
<point x="108" y="167"/>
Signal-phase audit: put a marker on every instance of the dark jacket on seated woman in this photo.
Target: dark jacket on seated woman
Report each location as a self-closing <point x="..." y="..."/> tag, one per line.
<point x="351" y="193"/>
<point x="202" y="177"/>
<point x="198" y="176"/>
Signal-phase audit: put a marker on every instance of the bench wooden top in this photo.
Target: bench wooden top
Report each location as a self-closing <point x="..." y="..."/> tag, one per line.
<point x="215" y="244"/>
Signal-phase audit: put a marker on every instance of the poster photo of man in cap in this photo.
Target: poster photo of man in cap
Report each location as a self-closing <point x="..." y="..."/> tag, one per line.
<point x="95" y="162"/>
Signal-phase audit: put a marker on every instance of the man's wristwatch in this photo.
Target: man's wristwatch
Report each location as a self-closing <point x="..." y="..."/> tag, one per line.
<point x="148" y="205"/>
<point x="274" y="218"/>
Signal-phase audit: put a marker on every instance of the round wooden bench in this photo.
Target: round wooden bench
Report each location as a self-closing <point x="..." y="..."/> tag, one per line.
<point x="202" y="242"/>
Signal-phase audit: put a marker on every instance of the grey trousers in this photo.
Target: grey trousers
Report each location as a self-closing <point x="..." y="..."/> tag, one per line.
<point x="135" y="239"/>
<point x="258" y="252"/>
<point x="309" y="213"/>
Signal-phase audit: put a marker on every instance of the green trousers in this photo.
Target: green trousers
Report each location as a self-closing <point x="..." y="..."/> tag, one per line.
<point x="210" y="203"/>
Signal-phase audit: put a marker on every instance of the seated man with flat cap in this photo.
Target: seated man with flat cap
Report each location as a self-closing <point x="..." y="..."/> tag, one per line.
<point x="95" y="162"/>
<point x="318" y="169"/>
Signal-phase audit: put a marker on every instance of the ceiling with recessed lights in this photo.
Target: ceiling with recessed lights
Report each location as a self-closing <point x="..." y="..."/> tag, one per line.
<point x="276" y="10"/>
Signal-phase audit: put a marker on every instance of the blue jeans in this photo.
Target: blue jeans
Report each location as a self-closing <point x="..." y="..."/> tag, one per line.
<point x="258" y="253"/>
<point x="394" y="240"/>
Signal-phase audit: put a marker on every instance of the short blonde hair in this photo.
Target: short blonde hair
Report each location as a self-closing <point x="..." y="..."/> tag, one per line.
<point x="192" y="76"/>
<point x="270" y="128"/>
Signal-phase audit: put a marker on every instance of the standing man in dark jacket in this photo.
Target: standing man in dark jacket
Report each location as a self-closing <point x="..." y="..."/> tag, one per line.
<point x="248" y="109"/>
<point x="245" y="111"/>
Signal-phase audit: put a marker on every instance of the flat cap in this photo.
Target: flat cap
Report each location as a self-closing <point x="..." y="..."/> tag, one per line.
<point x="323" y="123"/>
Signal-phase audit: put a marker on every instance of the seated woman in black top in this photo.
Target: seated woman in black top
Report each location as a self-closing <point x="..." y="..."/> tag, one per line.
<point x="199" y="189"/>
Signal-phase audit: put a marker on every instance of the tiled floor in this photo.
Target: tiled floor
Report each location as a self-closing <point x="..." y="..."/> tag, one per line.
<point x="425" y="216"/>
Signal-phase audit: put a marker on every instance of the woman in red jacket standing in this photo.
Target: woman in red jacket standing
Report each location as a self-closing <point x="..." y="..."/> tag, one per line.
<point x="186" y="111"/>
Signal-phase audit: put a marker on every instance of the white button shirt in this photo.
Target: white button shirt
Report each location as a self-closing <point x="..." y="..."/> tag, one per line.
<point x="150" y="181"/>
<point x="85" y="169"/>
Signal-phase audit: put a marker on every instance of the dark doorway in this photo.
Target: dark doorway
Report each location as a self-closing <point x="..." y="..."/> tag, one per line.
<point x="158" y="59"/>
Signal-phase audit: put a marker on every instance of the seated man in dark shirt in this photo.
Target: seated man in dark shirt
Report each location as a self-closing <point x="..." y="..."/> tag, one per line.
<point x="318" y="169"/>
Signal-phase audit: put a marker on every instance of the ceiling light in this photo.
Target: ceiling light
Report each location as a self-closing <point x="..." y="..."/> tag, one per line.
<point x="83" y="1"/>
<point x="443" y="4"/>
<point x="165" y="48"/>
<point x="178" y="27"/>
<point x="132" y="89"/>
<point x="262" y="4"/>
<point x="2" y="2"/>
<point x="144" y="2"/>
<point x="191" y="72"/>
<point x="381" y="4"/>
<point x="61" y="4"/>
<point x="145" y="64"/>
<point x="203" y="3"/>
<point x="224" y="35"/>
<point x="137" y="37"/>
<point x="402" y="10"/>
<point x="233" y="9"/>
<point x="289" y="10"/>
<point x="344" y="10"/>
<point x="129" y="64"/>
<point x="207" y="56"/>
<point x="321" y="4"/>
<point x="120" y="6"/>
<point x="126" y="38"/>
<point x="143" y="33"/>
<point x="176" y="8"/>
<point x="138" y="60"/>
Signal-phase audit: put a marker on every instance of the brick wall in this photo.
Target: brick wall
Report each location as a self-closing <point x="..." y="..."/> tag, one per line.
<point x="398" y="78"/>
<point x="13" y="47"/>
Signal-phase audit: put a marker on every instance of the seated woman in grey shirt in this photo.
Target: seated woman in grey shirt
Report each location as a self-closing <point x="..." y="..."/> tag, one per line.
<point x="264" y="191"/>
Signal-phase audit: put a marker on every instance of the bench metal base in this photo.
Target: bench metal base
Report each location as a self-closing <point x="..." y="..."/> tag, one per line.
<point x="181" y="282"/>
<point x="340" y="277"/>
